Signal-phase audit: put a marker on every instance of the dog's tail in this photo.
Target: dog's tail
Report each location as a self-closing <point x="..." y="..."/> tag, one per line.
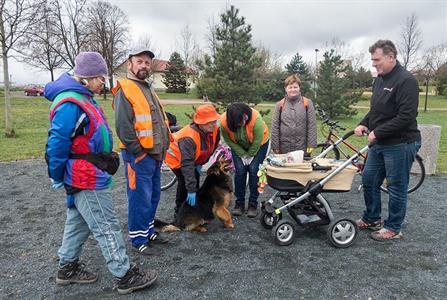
<point x="165" y="227"/>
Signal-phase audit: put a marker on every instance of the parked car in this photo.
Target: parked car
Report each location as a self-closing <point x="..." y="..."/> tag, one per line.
<point x="33" y="90"/>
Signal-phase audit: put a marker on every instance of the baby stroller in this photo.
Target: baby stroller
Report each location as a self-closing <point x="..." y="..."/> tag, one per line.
<point x="299" y="188"/>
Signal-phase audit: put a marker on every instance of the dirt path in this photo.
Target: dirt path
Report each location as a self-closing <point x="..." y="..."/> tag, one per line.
<point x="243" y="263"/>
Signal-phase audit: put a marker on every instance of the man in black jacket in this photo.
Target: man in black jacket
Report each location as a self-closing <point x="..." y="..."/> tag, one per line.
<point x="394" y="138"/>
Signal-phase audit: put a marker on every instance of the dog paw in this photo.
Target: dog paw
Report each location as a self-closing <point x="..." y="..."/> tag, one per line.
<point x="230" y="225"/>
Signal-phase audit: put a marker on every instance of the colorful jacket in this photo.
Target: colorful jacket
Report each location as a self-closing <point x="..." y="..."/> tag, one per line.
<point x="77" y="126"/>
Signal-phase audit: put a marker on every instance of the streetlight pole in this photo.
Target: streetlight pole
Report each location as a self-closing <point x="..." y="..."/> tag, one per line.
<point x="316" y="71"/>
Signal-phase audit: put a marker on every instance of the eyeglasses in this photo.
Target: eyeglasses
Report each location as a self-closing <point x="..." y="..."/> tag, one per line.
<point x="102" y="79"/>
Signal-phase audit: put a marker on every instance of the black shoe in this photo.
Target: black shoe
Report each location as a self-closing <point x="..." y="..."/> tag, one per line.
<point x="158" y="239"/>
<point x="135" y="280"/>
<point x="74" y="272"/>
<point x="238" y="209"/>
<point x="252" y="211"/>
<point x="148" y="250"/>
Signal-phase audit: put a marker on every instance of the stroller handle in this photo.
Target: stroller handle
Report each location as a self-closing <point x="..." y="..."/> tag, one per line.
<point x="348" y="134"/>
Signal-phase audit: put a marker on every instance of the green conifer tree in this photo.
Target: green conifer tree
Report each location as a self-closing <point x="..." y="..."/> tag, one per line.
<point x="175" y="77"/>
<point x="335" y="93"/>
<point x="229" y="74"/>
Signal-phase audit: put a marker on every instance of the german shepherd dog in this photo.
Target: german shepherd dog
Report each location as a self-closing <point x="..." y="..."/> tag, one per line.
<point x="213" y="200"/>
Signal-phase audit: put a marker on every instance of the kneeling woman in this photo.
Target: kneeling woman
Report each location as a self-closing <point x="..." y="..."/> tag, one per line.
<point x="192" y="148"/>
<point x="244" y="130"/>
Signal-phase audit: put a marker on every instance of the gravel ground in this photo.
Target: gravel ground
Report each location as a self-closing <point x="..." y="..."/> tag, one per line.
<point x="225" y="264"/>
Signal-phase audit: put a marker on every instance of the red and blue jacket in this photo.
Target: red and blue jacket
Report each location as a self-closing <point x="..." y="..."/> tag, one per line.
<point x="77" y="126"/>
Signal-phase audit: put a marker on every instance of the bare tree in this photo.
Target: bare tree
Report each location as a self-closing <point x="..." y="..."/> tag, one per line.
<point x="71" y="28"/>
<point x="411" y="41"/>
<point x="211" y="36"/>
<point x="145" y="41"/>
<point x="108" y="33"/>
<point x="432" y="60"/>
<point x="42" y="48"/>
<point x="16" y="17"/>
<point x="188" y="48"/>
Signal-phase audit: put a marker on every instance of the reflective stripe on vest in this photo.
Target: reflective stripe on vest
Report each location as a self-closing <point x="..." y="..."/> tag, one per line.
<point x="248" y="128"/>
<point x="174" y="156"/>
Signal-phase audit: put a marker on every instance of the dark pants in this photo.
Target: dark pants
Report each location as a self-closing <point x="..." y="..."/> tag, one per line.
<point x="182" y="192"/>
<point x="392" y="162"/>
<point x="240" y="176"/>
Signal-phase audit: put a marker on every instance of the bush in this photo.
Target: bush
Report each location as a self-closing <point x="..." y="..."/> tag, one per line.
<point x="444" y="92"/>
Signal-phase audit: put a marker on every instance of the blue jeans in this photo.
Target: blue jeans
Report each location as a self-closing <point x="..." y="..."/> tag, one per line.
<point x="143" y="195"/>
<point x="240" y="176"/>
<point x="93" y="212"/>
<point x="392" y="162"/>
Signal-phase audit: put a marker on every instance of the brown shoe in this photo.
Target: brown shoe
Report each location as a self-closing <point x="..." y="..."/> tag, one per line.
<point x="238" y="209"/>
<point x="252" y="211"/>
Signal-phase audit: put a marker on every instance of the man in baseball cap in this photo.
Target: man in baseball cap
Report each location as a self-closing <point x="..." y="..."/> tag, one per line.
<point x="142" y="127"/>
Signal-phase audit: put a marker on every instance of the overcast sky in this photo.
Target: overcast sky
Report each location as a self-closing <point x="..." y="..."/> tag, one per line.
<point x="284" y="27"/>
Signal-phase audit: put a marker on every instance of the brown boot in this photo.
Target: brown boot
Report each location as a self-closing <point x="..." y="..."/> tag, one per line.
<point x="238" y="209"/>
<point x="252" y="211"/>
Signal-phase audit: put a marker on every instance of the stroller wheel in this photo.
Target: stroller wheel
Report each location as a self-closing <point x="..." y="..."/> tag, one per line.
<point x="342" y="233"/>
<point x="284" y="232"/>
<point x="268" y="220"/>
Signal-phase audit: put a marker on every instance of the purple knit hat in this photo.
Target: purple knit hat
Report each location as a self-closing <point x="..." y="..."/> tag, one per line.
<point x="89" y="65"/>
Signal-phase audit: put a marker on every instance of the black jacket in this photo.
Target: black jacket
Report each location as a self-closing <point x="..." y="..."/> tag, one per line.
<point x="393" y="108"/>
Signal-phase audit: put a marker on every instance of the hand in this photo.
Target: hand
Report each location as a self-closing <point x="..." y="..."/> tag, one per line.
<point x="247" y="160"/>
<point x="191" y="199"/>
<point x="359" y="130"/>
<point x="198" y="168"/>
<point x="371" y="137"/>
<point x="56" y="184"/>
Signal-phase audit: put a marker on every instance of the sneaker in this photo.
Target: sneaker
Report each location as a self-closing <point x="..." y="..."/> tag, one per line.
<point x="148" y="250"/>
<point x="385" y="234"/>
<point x="74" y="272"/>
<point x="135" y="280"/>
<point x="252" y="211"/>
<point x="362" y="224"/>
<point x="158" y="239"/>
<point x="238" y="209"/>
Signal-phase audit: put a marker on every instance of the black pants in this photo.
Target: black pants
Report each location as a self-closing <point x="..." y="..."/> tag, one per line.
<point x="182" y="192"/>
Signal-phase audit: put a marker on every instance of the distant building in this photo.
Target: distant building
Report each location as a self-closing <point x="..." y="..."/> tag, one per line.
<point x="158" y="68"/>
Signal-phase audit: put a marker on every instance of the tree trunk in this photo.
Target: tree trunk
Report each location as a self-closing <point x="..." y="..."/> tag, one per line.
<point x="9" y="131"/>
<point x="426" y="95"/>
<point x="52" y="74"/>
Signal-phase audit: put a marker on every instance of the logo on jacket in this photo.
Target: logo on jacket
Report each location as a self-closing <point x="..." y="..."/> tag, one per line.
<point x="387" y="89"/>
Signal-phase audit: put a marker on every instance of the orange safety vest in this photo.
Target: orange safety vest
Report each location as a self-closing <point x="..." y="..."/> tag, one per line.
<point x="282" y="102"/>
<point x="248" y="128"/>
<point x="142" y="111"/>
<point x="174" y="156"/>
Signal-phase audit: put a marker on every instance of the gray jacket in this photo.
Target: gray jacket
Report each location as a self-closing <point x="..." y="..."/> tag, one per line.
<point x="125" y="119"/>
<point x="290" y="124"/>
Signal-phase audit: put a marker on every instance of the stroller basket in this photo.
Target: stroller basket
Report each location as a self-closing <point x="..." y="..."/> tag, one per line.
<point x="294" y="177"/>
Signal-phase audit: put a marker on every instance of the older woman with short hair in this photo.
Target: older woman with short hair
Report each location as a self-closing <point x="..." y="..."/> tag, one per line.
<point x="293" y="124"/>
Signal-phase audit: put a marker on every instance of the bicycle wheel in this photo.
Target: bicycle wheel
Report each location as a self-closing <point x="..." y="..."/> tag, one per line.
<point x="417" y="176"/>
<point x="167" y="177"/>
<point x="334" y="153"/>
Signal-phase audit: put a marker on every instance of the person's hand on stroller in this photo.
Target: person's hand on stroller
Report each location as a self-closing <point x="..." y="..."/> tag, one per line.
<point x="360" y="130"/>
<point x="191" y="199"/>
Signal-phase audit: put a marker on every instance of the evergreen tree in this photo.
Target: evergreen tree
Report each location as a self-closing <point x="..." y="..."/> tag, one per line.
<point x="335" y="93"/>
<point x="229" y="74"/>
<point x="298" y="66"/>
<point x="175" y="77"/>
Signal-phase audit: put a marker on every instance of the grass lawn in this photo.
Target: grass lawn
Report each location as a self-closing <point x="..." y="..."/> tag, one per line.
<point x="30" y="117"/>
